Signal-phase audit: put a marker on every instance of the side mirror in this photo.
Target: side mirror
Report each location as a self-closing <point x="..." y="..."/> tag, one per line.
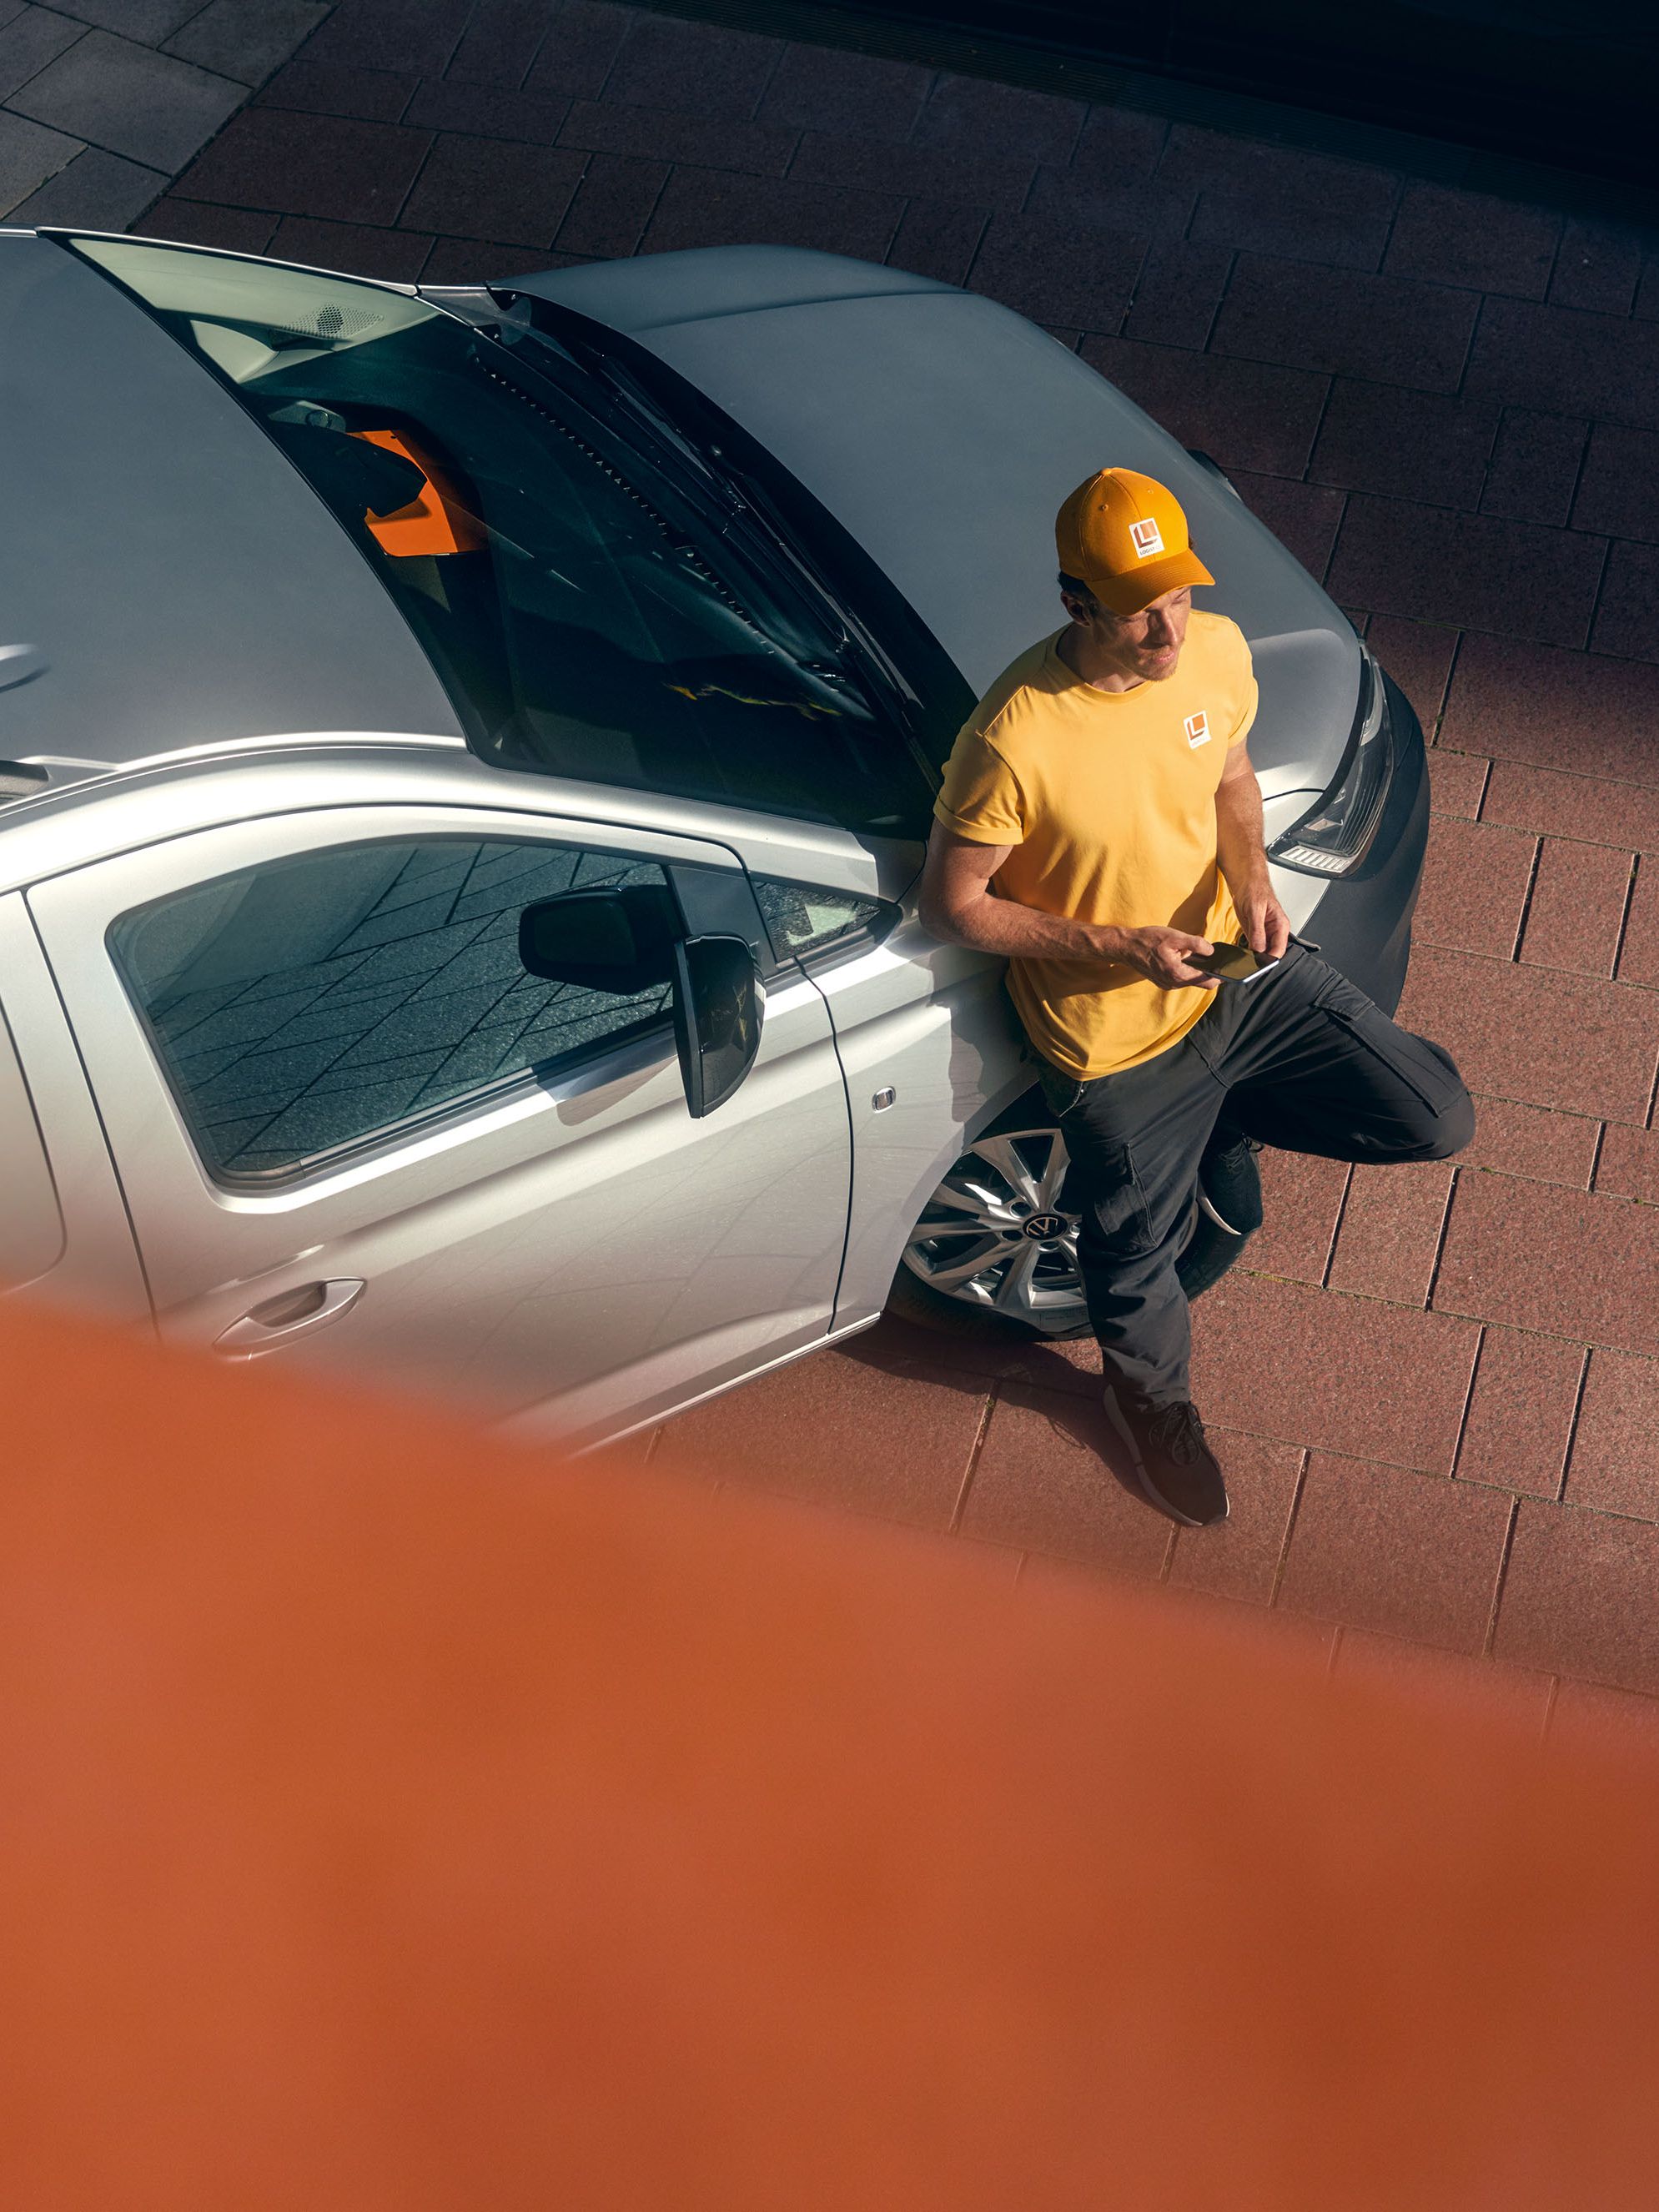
<point x="627" y="941"/>
<point x="606" y="940"/>
<point x="719" y="1006"/>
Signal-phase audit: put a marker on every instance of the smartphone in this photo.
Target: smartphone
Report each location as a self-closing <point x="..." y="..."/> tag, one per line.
<point x="1231" y="964"/>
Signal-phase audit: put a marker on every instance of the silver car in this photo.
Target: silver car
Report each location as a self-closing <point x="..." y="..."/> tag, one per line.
<point x="465" y="756"/>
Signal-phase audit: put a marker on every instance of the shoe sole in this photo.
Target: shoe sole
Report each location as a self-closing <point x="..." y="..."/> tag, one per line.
<point x="1114" y="1414"/>
<point x="1215" y="1217"/>
<point x="1203" y="1200"/>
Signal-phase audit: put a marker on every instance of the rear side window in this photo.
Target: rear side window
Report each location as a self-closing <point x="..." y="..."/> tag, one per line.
<point x="304" y="1007"/>
<point x="808" y="923"/>
<point x="594" y="605"/>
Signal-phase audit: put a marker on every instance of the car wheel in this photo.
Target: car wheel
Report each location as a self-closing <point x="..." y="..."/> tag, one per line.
<point x="995" y="1251"/>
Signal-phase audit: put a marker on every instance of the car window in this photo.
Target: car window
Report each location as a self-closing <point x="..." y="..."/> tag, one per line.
<point x="304" y="1006"/>
<point x="31" y="1227"/>
<point x="805" y="920"/>
<point x="591" y="608"/>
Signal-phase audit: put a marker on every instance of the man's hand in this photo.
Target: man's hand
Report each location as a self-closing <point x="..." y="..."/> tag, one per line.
<point x="1162" y="954"/>
<point x="1267" y="924"/>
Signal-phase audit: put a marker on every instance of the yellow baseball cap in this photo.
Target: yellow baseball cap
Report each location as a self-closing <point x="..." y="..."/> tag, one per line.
<point x="1125" y="536"/>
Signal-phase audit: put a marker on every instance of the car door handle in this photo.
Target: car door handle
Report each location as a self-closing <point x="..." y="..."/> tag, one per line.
<point x="291" y="1314"/>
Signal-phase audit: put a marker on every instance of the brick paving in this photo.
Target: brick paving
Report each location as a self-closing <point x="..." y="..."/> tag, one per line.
<point x="1436" y="1389"/>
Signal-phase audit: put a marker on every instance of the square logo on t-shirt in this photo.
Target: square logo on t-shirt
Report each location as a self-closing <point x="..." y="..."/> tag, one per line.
<point x="1145" y="537"/>
<point x="1198" y="728"/>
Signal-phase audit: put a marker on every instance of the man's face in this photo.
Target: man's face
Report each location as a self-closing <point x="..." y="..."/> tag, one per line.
<point x="1146" y="644"/>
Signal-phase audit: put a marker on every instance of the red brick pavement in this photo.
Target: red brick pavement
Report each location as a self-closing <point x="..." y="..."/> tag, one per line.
<point x="1436" y="1389"/>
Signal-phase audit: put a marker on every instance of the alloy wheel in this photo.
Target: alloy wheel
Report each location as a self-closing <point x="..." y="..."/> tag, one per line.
<point x="995" y="1237"/>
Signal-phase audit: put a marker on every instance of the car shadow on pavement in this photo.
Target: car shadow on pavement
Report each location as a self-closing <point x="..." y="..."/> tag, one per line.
<point x="1059" y="1380"/>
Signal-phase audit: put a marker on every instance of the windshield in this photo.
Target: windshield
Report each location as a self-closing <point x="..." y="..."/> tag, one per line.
<point x="590" y="611"/>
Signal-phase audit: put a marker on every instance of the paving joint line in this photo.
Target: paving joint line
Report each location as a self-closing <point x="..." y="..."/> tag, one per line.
<point x="1572" y="1428"/>
<point x="1313" y="444"/>
<point x="1589" y="422"/>
<point x="1440" y="1249"/>
<point x="1485" y="785"/>
<point x="621" y="48"/>
<point x="1402" y="499"/>
<point x="1551" y="1696"/>
<point x="1514" y="956"/>
<point x="1544" y="300"/>
<point x="1336" y="537"/>
<point x="1283" y="1560"/>
<point x="1215" y="312"/>
<point x="993" y="1399"/>
<point x="1468" y="1401"/>
<point x="1458" y="391"/>
<point x="1625" y="912"/>
<point x="764" y="93"/>
<point x="1458" y="635"/>
<point x="1502" y="1577"/>
<point x="1601" y="586"/>
<point x="7" y="102"/>
<point x="529" y="70"/>
<point x="1394" y="218"/>
<point x="1595" y="1155"/>
<point x="1135" y="283"/>
<point x="1479" y="506"/>
<point x="197" y="18"/>
<point x="459" y="40"/>
<point x="1324" y="1283"/>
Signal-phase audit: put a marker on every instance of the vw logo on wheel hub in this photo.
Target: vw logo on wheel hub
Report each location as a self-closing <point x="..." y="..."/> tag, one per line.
<point x="1045" y="1228"/>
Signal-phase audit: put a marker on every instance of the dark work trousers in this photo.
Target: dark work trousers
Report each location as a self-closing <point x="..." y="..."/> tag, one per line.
<point x="1300" y="1059"/>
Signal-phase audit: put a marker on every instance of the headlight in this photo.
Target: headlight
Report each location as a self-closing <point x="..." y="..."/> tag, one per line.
<point x="1334" y="838"/>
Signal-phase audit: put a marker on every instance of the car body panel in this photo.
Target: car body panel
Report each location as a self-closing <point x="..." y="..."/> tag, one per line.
<point x="928" y="1020"/>
<point x="931" y="1024"/>
<point x="579" y="1236"/>
<point x="943" y="431"/>
<point x="647" y="291"/>
<point x="96" y="1265"/>
<point x="182" y="581"/>
<point x="92" y="820"/>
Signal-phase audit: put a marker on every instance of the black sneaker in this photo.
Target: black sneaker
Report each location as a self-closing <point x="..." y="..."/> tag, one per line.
<point x="1230" y="1186"/>
<point x="1174" y="1465"/>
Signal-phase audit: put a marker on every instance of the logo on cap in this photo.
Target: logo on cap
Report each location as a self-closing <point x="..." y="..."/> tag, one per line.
<point x="1145" y="537"/>
<point x="1198" y="728"/>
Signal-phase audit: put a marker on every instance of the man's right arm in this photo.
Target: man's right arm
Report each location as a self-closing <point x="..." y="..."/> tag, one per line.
<point x="958" y="904"/>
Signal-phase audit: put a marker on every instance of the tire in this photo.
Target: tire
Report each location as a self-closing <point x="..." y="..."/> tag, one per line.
<point x="1026" y="1286"/>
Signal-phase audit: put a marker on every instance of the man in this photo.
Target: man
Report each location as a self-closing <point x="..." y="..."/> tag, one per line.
<point x="1100" y="825"/>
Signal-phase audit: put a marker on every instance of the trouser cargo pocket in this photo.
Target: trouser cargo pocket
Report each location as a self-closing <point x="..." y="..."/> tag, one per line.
<point x="1105" y="1189"/>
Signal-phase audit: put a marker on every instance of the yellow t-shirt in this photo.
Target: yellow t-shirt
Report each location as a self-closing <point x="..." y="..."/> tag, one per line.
<point x="1108" y="799"/>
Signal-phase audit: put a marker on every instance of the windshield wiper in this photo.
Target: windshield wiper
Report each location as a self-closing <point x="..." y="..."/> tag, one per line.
<point x="522" y="316"/>
<point x="849" y="657"/>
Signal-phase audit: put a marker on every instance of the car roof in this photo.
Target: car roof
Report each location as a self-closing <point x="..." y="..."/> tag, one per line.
<point x="178" y="582"/>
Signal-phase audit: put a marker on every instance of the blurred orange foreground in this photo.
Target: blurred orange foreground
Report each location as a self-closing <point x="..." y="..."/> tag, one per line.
<point x="393" y="1819"/>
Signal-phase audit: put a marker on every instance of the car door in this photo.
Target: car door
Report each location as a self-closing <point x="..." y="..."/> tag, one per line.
<point x="349" y="1126"/>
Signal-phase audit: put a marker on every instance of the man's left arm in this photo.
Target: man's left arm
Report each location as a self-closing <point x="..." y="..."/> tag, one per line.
<point x="1243" y="856"/>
